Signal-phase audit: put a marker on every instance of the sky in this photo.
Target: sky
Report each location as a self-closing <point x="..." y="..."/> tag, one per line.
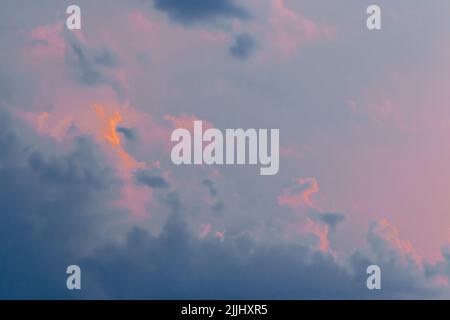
<point x="86" y="176"/>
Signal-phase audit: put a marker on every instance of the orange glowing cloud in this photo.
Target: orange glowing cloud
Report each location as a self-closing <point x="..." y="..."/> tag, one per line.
<point x="134" y="197"/>
<point x="100" y="121"/>
<point x="299" y="194"/>
<point x="108" y="121"/>
<point x="307" y="228"/>
<point x="110" y="133"/>
<point x="320" y="231"/>
<point x="298" y="197"/>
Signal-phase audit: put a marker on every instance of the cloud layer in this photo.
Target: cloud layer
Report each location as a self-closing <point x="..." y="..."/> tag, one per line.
<point x="85" y="170"/>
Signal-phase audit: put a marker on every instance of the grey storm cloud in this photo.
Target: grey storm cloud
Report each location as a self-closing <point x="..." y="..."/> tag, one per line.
<point x="189" y="12"/>
<point x="52" y="208"/>
<point x="177" y="265"/>
<point x="77" y="168"/>
<point x="243" y="46"/>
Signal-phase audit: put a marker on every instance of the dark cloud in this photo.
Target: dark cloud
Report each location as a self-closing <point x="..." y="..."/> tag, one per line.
<point x="79" y="167"/>
<point x="55" y="205"/>
<point x="243" y="47"/>
<point x="330" y="219"/>
<point x="177" y="265"/>
<point x="52" y="208"/>
<point x="194" y="11"/>
<point x="86" y="70"/>
<point x="153" y="181"/>
<point x="127" y="132"/>
<point x="52" y="211"/>
<point x="403" y="277"/>
<point x="106" y="58"/>
<point x="91" y="66"/>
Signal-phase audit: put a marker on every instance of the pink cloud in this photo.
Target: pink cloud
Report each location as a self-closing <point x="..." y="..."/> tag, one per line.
<point x="290" y="30"/>
<point x="47" y="40"/>
<point x="307" y="229"/>
<point x="101" y="121"/>
<point x="205" y="229"/>
<point x="440" y="281"/>
<point x="298" y="197"/>
<point x="320" y="231"/>
<point x="220" y="235"/>
<point x="388" y="232"/>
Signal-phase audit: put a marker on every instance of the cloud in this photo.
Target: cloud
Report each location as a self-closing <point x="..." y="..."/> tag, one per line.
<point x="55" y="208"/>
<point x="384" y="238"/>
<point x="178" y="265"/>
<point x="403" y="272"/>
<point x="243" y="46"/>
<point x="106" y="58"/>
<point x="76" y="168"/>
<point x="60" y="189"/>
<point x="332" y="220"/>
<point x="213" y="200"/>
<point x="61" y="205"/>
<point x="287" y="31"/>
<point x="190" y="12"/>
<point x="186" y="121"/>
<point x="299" y="193"/>
<point x="127" y="132"/>
<point x="150" y="180"/>
<point x="92" y="66"/>
<point x="87" y="72"/>
<point x="211" y="188"/>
